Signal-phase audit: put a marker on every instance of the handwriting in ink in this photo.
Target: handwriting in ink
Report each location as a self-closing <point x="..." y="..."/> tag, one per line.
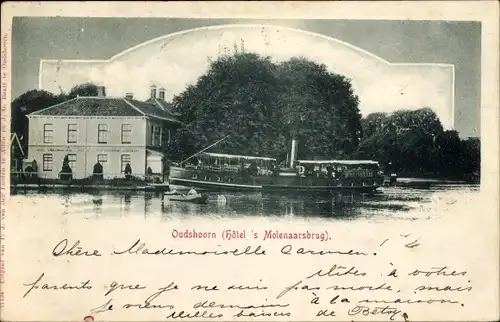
<point x="170" y="287"/>
<point x="102" y="308"/>
<point x="204" y="288"/>
<point x="244" y="313"/>
<point x="365" y="310"/>
<point x="139" y="248"/>
<point x="412" y="244"/>
<point x="338" y="271"/>
<point x="409" y="301"/>
<point x="288" y="250"/>
<point x="115" y="286"/>
<point x="75" y="250"/>
<point x="325" y="313"/>
<point x="148" y="305"/>
<point x="295" y="287"/>
<point x="383" y="287"/>
<point x="148" y="301"/>
<point x="444" y="289"/>
<point x="64" y="287"/>
<point x="212" y="304"/>
<point x="437" y="271"/>
<point x="247" y="288"/>
<point x="195" y="315"/>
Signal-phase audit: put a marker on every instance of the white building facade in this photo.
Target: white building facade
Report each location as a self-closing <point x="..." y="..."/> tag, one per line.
<point x="112" y="131"/>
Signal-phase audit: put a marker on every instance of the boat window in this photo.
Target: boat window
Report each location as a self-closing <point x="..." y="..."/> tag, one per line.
<point x="219" y="179"/>
<point x="194" y="176"/>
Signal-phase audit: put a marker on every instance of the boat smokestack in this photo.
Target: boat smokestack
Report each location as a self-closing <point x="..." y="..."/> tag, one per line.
<point x="293" y="153"/>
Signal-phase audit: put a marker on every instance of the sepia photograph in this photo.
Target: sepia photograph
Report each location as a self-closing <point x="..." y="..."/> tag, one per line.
<point x="195" y="161"/>
<point x="301" y="117"/>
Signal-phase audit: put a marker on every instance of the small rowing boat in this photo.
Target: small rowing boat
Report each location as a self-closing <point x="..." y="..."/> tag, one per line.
<point x="193" y="198"/>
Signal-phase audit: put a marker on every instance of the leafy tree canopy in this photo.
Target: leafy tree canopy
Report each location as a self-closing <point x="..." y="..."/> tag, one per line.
<point x="87" y="89"/>
<point x="262" y="105"/>
<point x="26" y="103"/>
<point x="414" y="143"/>
<point x="35" y="100"/>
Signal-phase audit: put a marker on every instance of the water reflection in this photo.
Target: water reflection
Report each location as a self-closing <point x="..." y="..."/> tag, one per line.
<point x="390" y="202"/>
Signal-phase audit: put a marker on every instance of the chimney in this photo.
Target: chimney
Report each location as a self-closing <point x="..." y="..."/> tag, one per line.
<point x="129" y="96"/>
<point x="101" y="91"/>
<point x="161" y="94"/>
<point x="153" y="91"/>
<point x="293" y="153"/>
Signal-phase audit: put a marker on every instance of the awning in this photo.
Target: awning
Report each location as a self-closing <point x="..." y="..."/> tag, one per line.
<point x="233" y="156"/>
<point x="347" y="162"/>
<point x="154" y="153"/>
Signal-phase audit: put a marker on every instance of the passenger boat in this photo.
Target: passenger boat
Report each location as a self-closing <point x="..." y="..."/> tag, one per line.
<point x="216" y="171"/>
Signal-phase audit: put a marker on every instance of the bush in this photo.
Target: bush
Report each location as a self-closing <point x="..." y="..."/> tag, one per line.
<point x="128" y="171"/>
<point x="66" y="173"/>
<point x="97" y="172"/>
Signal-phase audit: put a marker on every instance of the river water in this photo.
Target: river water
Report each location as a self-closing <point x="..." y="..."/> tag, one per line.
<point x="389" y="203"/>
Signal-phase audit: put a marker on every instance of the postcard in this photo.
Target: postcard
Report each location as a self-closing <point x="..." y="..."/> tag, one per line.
<point x="247" y="161"/>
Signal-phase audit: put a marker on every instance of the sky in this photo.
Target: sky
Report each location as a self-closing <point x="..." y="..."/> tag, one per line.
<point x="175" y="61"/>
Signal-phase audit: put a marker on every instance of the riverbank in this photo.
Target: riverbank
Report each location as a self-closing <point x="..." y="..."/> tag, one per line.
<point x="79" y="187"/>
<point x="85" y="184"/>
<point x="423" y="183"/>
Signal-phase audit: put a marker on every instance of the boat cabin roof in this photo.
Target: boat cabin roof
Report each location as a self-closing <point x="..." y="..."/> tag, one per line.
<point x="233" y="156"/>
<point x="344" y="162"/>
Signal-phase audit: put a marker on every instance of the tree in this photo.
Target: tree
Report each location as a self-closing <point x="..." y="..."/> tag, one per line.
<point x="128" y="171"/>
<point x="373" y="123"/>
<point x="448" y="153"/>
<point x="236" y="97"/>
<point x="319" y="108"/>
<point x="98" y="171"/>
<point x="262" y="105"/>
<point x="26" y="103"/>
<point x="87" y="89"/>
<point x="35" y="100"/>
<point x="471" y="158"/>
<point x="183" y="144"/>
<point x="415" y="143"/>
<point x="66" y="172"/>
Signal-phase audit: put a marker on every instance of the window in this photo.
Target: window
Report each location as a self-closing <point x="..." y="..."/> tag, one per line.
<point x="126" y="133"/>
<point x="155" y="135"/>
<point x="72" y="133"/>
<point x="48" y="133"/>
<point x="72" y="161"/>
<point x="47" y="162"/>
<point x="125" y="158"/>
<point x="102" y="133"/>
<point x="102" y="158"/>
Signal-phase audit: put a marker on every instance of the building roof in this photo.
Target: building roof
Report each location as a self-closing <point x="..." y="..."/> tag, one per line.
<point x="153" y="108"/>
<point x="109" y="106"/>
